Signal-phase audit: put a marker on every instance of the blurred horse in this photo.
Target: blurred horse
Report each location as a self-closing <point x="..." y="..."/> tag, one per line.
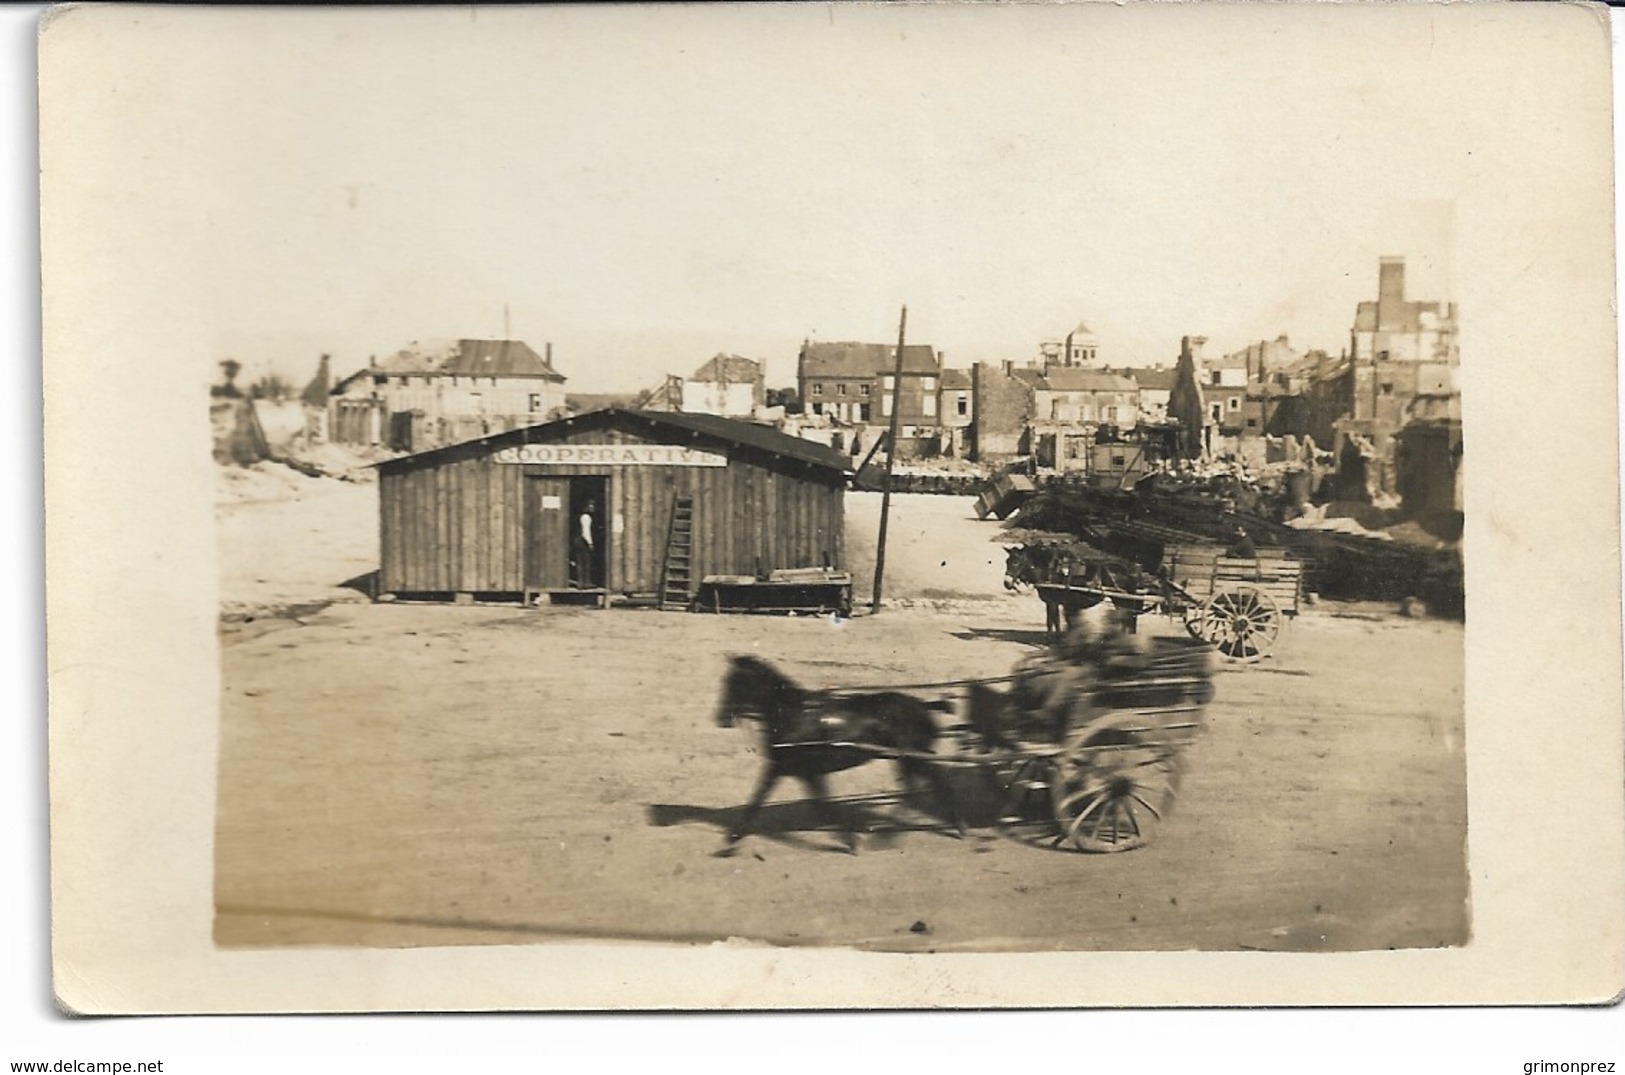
<point x="808" y="735"/>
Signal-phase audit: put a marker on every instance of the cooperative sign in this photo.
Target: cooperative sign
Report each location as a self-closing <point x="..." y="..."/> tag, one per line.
<point x="615" y="455"/>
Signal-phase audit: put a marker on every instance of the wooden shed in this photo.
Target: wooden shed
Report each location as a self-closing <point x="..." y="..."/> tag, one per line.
<point x="617" y="502"/>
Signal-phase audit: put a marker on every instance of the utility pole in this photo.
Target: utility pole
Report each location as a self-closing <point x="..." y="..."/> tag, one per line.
<point x="891" y="456"/>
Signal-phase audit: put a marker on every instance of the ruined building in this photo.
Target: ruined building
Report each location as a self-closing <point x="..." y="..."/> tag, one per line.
<point x="1400" y="351"/>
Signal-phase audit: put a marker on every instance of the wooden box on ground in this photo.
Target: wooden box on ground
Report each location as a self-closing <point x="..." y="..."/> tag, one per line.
<point x="811" y="590"/>
<point x="1004" y="494"/>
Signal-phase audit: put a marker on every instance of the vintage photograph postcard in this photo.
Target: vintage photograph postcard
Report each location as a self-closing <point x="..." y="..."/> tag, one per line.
<point x="831" y="506"/>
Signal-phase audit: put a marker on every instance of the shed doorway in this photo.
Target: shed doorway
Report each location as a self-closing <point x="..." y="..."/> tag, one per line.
<point x="589" y="536"/>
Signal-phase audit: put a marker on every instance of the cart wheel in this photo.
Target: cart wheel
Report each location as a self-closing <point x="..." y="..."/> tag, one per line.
<point x="1110" y="791"/>
<point x="1244" y="623"/>
<point x="1196" y="621"/>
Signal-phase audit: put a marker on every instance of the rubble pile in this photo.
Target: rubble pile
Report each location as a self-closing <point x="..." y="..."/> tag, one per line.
<point x="1352" y="552"/>
<point x="326" y="460"/>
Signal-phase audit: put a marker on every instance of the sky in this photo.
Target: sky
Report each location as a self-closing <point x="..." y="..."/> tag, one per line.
<point x="644" y="188"/>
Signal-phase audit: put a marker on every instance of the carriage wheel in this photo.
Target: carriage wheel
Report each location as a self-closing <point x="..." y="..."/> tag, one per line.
<point x="1197" y="622"/>
<point x="1111" y="792"/>
<point x="1244" y="623"/>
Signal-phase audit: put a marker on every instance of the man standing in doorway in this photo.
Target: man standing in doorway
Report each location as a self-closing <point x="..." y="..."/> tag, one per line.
<point x="584" y="551"/>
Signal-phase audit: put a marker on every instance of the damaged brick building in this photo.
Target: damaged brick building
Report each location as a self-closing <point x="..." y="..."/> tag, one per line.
<point x="1399" y="351"/>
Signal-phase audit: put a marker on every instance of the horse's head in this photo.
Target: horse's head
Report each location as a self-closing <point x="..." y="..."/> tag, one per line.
<point x="728" y="706"/>
<point x="1012" y="568"/>
<point x="751" y="689"/>
<point x="1019" y="569"/>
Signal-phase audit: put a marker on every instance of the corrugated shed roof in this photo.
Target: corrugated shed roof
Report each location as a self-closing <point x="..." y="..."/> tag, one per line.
<point x="477" y="358"/>
<point x="750" y="434"/>
<point x="848" y="359"/>
<point x="731" y="368"/>
<point x="706" y="426"/>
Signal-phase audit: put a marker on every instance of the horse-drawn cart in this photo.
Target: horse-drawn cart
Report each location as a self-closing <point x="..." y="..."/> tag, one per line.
<point x="1234" y="603"/>
<point x="1090" y="749"/>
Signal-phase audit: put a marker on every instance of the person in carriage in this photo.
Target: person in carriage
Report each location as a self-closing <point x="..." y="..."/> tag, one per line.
<point x="1100" y="645"/>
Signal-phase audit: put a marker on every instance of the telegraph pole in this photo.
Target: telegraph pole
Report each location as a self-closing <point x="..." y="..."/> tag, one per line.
<point x="891" y="455"/>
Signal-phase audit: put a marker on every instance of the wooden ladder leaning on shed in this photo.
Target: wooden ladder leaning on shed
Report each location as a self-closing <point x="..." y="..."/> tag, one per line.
<point x="676" y="587"/>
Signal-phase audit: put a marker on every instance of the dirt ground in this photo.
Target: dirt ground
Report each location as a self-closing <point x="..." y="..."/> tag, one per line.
<point x="402" y="775"/>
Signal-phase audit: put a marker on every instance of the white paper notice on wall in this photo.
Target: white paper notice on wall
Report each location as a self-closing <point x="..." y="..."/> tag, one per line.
<point x="618" y="524"/>
<point x="551" y="503"/>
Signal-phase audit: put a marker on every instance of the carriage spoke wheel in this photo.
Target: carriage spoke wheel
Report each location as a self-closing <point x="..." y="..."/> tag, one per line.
<point x="1244" y="623"/>
<point x="1111" y="793"/>
<point x="1198" y="622"/>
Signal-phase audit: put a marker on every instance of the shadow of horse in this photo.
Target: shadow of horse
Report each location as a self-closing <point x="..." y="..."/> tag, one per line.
<point x="791" y="823"/>
<point x="1036" y="639"/>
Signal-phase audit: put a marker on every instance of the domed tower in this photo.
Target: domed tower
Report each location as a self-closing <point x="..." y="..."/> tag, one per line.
<point x="1078" y="349"/>
<point x="1081" y="348"/>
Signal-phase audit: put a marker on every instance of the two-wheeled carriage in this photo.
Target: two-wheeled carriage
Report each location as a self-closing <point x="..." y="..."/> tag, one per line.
<point x="1091" y="750"/>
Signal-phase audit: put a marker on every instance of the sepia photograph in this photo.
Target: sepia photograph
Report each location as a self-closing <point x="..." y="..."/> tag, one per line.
<point x="834" y="483"/>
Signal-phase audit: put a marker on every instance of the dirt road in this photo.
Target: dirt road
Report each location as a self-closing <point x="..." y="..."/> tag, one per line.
<point x="407" y="775"/>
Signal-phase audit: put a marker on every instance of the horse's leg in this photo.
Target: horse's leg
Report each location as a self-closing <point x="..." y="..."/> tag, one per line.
<point x="915" y="769"/>
<point x="770" y="776"/>
<point x="907" y="778"/>
<point x="819" y="787"/>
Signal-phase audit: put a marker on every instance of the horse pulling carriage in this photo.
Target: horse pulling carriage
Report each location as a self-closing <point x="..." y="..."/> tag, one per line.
<point x="1089" y="745"/>
<point x="1234" y="603"/>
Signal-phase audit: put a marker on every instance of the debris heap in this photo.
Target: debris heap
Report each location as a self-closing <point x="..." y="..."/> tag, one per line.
<point x="1351" y="552"/>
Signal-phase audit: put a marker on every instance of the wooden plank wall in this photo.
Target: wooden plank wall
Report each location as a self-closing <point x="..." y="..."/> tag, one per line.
<point x="457" y="524"/>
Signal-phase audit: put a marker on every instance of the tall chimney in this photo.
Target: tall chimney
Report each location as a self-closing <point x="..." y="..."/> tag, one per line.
<point x="547" y="353"/>
<point x="1390" y="290"/>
